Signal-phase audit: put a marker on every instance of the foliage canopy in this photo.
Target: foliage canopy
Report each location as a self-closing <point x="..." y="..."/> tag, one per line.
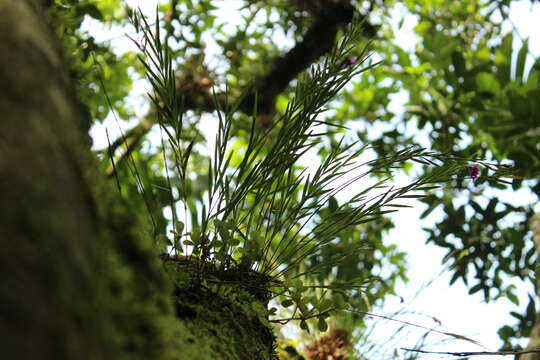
<point x="468" y="90"/>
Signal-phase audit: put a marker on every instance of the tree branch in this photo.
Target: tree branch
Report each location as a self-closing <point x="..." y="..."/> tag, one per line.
<point x="318" y="41"/>
<point x="474" y="353"/>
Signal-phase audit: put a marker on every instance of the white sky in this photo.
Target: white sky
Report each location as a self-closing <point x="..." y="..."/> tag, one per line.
<point x="458" y="312"/>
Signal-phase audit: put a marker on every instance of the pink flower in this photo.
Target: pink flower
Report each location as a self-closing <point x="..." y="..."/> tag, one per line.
<point x="350" y="61"/>
<point x="474" y="172"/>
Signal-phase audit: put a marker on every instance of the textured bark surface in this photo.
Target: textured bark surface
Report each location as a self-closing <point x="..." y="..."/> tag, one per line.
<point x="534" y="341"/>
<point x="48" y="227"/>
<point x="80" y="280"/>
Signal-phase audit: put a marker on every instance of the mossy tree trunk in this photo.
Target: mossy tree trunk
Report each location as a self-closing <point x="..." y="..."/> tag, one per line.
<point x="79" y="278"/>
<point x="534" y="341"/>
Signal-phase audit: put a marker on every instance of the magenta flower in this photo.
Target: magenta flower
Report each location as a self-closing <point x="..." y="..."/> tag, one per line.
<point x="350" y="61"/>
<point x="474" y="172"/>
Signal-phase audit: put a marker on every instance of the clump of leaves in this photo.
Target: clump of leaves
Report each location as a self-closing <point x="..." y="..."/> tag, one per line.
<point x="263" y="214"/>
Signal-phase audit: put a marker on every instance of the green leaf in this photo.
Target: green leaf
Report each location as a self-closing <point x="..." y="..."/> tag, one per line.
<point x="287" y="303"/>
<point x="506" y="332"/>
<point x="476" y="288"/>
<point x="486" y="82"/>
<point x="322" y="325"/>
<point x="521" y="58"/>
<point x="91" y="10"/>
<point x="332" y="204"/>
<point x="179" y="228"/>
<point x="512" y="297"/>
<point x="304" y="325"/>
<point x="459" y="63"/>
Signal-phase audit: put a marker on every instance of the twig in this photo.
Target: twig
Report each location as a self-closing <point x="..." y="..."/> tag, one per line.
<point x="474" y="353"/>
<point x="456" y="336"/>
<point x="130" y="140"/>
<point x="286" y="320"/>
<point x="111" y="155"/>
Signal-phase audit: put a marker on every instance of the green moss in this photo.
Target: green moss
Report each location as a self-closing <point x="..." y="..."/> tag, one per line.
<point x="152" y="315"/>
<point x="225" y="310"/>
<point x="226" y="319"/>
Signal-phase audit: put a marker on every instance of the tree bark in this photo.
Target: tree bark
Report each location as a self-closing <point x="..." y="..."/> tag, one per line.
<point x="80" y="279"/>
<point x="534" y="341"/>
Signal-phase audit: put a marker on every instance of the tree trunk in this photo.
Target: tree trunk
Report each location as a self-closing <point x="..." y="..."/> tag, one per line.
<point x="80" y="279"/>
<point x="534" y="342"/>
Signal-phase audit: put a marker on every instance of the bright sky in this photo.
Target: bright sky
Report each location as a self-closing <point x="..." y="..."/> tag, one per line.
<point x="457" y="311"/>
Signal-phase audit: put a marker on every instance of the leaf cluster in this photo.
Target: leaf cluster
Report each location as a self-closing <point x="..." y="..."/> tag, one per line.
<point x="264" y="213"/>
